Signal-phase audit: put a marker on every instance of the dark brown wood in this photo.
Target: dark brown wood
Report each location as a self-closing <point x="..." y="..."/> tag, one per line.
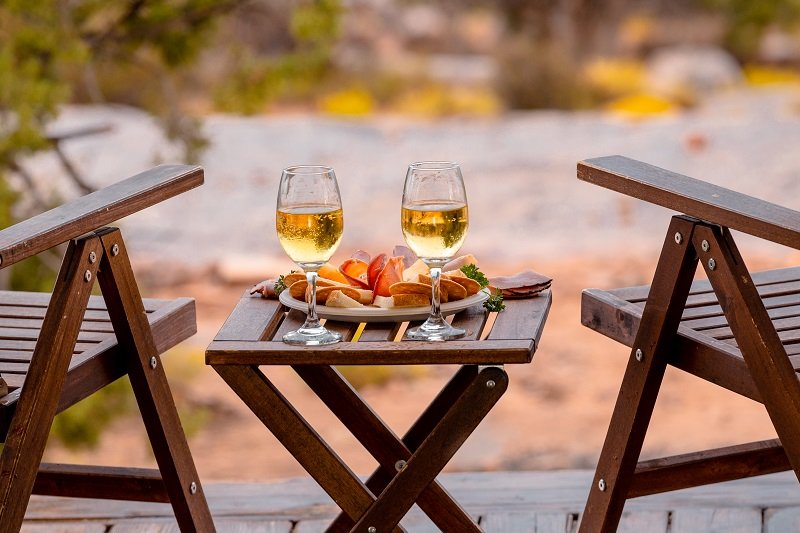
<point x="381" y="442"/>
<point x="100" y="482"/>
<point x="692" y="351"/>
<point x="708" y="466"/>
<point x="437" y="449"/>
<point x="642" y="381"/>
<point x="420" y="429"/>
<point x="95" y="210"/>
<point x="150" y="386"/>
<point x="493" y="352"/>
<point x="758" y="341"/>
<point x="253" y="319"/>
<point x="297" y="436"/>
<point x="694" y="198"/>
<point x="36" y="408"/>
<point x="252" y="337"/>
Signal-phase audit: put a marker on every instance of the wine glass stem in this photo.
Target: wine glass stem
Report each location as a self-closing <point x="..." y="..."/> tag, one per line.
<point x="436" y="310"/>
<point x="312" y="321"/>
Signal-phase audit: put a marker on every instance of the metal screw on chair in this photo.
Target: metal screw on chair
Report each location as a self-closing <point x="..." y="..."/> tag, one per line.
<point x="712" y="264"/>
<point x="153" y="362"/>
<point x="115" y="249"/>
<point x="601" y="485"/>
<point x="193" y="487"/>
<point x="372" y="529"/>
<point x="92" y="257"/>
<point x="639" y="355"/>
<point x="705" y="246"/>
<point x="400" y="465"/>
<point x="87" y="276"/>
<point x="678" y="237"/>
<point x="490" y="384"/>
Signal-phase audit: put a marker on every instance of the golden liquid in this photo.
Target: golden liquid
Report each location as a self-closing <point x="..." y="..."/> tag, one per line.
<point x="435" y="230"/>
<point x="310" y="233"/>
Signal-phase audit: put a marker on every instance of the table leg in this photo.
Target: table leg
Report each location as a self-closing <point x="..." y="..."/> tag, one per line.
<point x="345" y="402"/>
<point x="436" y="450"/>
<point x="299" y="438"/>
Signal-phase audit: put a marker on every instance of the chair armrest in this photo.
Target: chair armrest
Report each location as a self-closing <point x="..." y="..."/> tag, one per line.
<point x="695" y="198"/>
<point x="95" y="210"/>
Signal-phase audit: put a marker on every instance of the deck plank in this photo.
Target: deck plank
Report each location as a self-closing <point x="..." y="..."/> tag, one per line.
<point x="736" y="520"/>
<point x="63" y="527"/>
<point x="550" y="499"/>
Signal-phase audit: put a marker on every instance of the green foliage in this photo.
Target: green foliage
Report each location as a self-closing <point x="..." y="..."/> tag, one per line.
<point x="748" y="20"/>
<point x="81" y="425"/>
<point x="256" y="81"/>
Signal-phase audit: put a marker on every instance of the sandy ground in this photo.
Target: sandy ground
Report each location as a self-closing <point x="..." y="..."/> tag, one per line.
<point x="527" y="211"/>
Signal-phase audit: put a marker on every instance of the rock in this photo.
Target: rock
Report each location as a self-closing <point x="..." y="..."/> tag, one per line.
<point x="691" y="71"/>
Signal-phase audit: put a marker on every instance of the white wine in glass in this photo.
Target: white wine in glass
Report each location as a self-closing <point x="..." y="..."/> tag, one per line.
<point x="434" y="218"/>
<point x="310" y="223"/>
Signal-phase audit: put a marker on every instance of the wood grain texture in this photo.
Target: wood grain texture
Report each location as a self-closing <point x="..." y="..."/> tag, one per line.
<point x="761" y="347"/>
<point x="642" y="380"/>
<point x="150" y="385"/>
<point x="36" y="408"/>
<point x="695" y="198"/>
<point x="100" y="482"/>
<point x="371" y="353"/>
<point x="95" y="210"/>
<point x="708" y="466"/>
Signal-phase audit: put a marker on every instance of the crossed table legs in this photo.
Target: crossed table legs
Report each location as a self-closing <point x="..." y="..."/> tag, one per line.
<point x="407" y="468"/>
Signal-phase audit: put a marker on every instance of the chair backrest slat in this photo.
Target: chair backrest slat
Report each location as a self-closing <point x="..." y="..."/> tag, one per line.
<point x="695" y="198"/>
<point x="95" y="210"/>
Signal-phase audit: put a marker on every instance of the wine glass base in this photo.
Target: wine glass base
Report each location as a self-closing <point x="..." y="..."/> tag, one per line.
<point x="312" y="337"/>
<point x="435" y="332"/>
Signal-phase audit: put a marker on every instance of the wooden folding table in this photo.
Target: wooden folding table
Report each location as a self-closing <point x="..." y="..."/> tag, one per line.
<point x="408" y="466"/>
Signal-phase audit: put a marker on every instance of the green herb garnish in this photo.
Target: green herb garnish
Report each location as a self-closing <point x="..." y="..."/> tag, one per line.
<point x="280" y="285"/>
<point x="495" y="301"/>
<point x="471" y="271"/>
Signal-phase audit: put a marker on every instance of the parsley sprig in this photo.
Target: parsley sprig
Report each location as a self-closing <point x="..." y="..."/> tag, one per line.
<point x="495" y="301"/>
<point x="279" y="285"/>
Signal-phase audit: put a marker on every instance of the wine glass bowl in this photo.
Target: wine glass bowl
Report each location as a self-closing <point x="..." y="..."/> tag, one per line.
<point x="434" y="219"/>
<point x="310" y="223"/>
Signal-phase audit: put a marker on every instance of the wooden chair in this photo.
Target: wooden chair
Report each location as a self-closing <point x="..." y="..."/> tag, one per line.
<point x="58" y="349"/>
<point x="737" y="330"/>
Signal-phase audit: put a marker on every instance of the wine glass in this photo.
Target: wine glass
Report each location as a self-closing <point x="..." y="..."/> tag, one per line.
<point x="309" y="222"/>
<point x="434" y="220"/>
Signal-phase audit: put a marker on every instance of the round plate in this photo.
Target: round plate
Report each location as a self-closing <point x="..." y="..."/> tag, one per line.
<point x="379" y="314"/>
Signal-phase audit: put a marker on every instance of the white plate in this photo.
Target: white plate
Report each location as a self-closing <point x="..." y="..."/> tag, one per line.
<point x="378" y="314"/>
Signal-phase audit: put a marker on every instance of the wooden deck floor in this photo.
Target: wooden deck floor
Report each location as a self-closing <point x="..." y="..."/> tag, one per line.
<point x="540" y="502"/>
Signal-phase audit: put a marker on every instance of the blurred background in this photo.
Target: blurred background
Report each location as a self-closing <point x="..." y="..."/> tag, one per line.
<point x="516" y="91"/>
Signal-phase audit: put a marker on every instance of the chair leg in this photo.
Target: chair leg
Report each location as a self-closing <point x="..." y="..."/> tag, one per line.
<point x="38" y="401"/>
<point x="643" y="376"/>
<point x="150" y="386"/>
<point x="761" y="347"/>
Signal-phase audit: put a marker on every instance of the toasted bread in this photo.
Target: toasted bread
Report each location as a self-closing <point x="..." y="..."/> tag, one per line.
<point x="324" y="292"/>
<point x="339" y="299"/>
<point x="469" y="284"/>
<point x="410" y="300"/>
<point x="364" y="296"/>
<point x="407" y="287"/>
<point x="449" y="289"/>
<point x="294" y="277"/>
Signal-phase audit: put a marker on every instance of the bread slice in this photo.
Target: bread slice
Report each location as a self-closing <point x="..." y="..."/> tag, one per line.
<point x="411" y="300"/>
<point x="340" y="299"/>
